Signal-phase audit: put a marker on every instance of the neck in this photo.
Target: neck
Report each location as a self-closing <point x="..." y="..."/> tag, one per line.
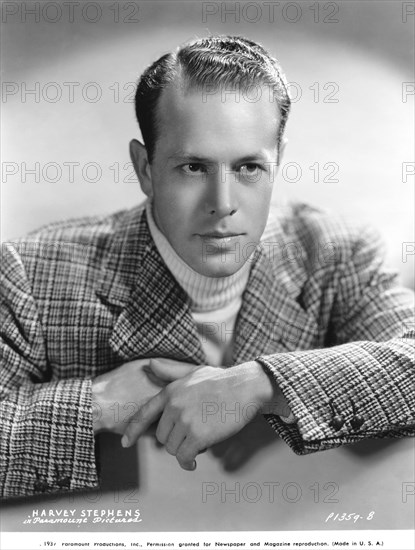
<point x="205" y="293"/>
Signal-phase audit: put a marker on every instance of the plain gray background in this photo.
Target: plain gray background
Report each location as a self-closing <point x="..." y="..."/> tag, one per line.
<point x="353" y="117"/>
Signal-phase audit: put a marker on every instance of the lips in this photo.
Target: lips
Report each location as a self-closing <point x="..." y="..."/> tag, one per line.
<point x="220" y="240"/>
<point x="218" y="235"/>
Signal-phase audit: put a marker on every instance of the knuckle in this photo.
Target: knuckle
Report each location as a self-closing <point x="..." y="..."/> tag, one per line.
<point x="141" y="420"/>
<point x="176" y="403"/>
<point x="187" y="420"/>
<point x="140" y="416"/>
<point x="160" y="437"/>
<point x="170" y="448"/>
<point x="192" y="431"/>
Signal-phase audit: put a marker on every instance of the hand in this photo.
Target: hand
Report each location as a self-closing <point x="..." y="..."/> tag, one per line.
<point x="118" y="394"/>
<point x="204" y="407"/>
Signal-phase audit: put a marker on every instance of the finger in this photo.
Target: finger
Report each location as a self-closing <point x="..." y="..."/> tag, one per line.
<point x="145" y="416"/>
<point x="165" y="426"/>
<point x="175" y="439"/>
<point x="186" y="454"/>
<point x="154" y="378"/>
<point x="169" y="369"/>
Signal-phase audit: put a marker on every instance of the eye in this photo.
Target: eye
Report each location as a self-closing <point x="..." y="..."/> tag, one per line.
<point x="193" y="168"/>
<point x="250" y="169"/>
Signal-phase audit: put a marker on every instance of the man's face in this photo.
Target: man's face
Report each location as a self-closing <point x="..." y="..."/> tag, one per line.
<point x="212" y="176"/>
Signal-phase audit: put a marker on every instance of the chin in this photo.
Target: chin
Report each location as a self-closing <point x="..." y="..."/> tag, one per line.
<point x="218" y="269"/>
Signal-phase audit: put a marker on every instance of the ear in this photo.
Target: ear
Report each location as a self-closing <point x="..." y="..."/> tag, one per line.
<point x="281" y="151"/>
<point x="139" y="158"/>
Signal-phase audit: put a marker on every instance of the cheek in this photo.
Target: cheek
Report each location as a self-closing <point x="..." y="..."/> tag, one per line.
<point x="173" y="210"/>
<point x="256" y="211"/>
<point x="258" y="199"/>
<point x="176" y="199"/>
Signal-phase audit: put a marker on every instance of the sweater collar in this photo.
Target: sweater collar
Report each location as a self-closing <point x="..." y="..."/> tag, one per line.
<point x="205" y="293"/>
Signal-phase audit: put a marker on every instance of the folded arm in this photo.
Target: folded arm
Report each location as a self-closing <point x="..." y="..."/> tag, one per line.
<point x="47" y="441"/>
<point x="367" y="377"/>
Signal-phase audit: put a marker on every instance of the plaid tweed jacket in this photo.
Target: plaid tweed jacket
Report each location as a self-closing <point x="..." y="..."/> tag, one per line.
<point x="81" y="297"/>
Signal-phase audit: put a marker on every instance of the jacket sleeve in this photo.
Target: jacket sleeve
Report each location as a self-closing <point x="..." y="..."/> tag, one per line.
<point x="368" y="372"/>
<point x="47" y="440"/>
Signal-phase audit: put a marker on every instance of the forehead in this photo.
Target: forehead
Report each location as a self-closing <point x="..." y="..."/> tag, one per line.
<point x="217" y="119"/>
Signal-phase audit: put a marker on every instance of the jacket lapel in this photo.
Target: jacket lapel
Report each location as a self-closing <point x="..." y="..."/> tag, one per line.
<point x="155" y="318"/>
<point x="272" y="319"/>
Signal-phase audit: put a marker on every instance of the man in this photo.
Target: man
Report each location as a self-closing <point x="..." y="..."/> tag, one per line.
<point x="145" y="309"/>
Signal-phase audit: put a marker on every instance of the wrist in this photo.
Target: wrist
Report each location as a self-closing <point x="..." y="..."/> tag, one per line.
<point x="267" y="392"/>
<point x="260" y="385"/>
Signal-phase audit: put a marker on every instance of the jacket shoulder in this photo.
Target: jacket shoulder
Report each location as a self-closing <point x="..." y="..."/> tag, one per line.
<point x="83" y="240"/>
<point x="310" y="232"/>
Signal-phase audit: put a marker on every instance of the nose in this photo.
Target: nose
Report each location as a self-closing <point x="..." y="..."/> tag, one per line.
<point x="221" y="195"/>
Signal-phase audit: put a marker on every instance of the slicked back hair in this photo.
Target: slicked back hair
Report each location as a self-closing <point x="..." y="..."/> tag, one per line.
<point x="210" y="64"/>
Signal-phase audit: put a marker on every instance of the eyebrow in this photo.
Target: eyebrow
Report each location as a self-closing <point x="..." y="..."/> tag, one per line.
<point x="187" y="157"/>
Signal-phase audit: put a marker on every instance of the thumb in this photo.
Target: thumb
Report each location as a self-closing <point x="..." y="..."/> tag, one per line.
<point x="169" y="369"/>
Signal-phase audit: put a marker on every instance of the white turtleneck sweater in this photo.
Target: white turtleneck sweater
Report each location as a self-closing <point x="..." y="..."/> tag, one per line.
<point x="215" y="301"/>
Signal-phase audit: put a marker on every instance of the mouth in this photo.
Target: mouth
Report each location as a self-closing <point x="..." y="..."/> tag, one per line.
<point x="219" y="235"/>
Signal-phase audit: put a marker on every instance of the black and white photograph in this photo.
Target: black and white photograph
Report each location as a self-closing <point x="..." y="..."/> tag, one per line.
<point x="207" y="274"/>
